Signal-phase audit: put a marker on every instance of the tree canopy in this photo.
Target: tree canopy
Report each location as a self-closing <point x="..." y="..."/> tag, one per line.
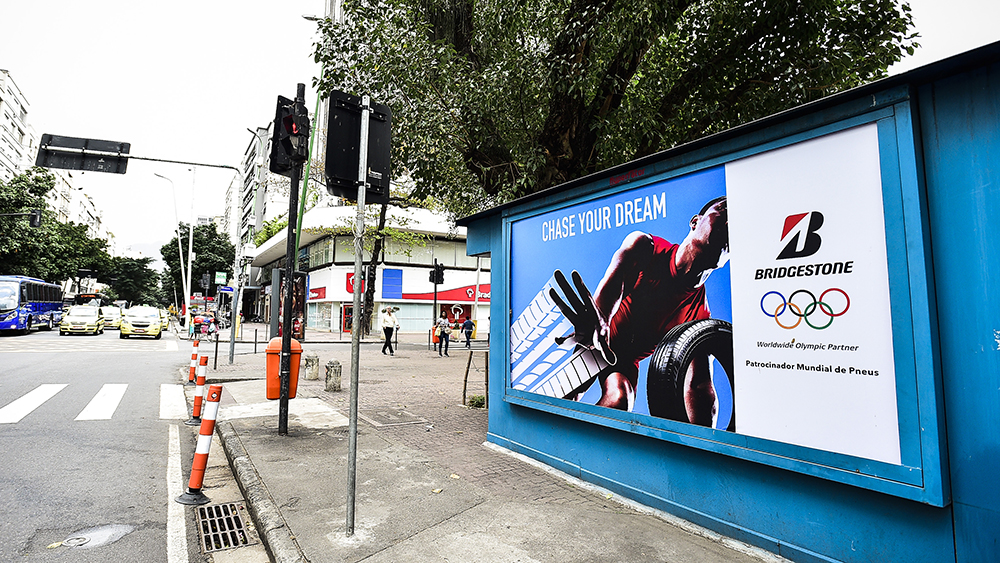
<point x="493" y="100"/>
<point x="212" y="251"/>
<point x="53" y="252"/>
<point x="135" y="282"/>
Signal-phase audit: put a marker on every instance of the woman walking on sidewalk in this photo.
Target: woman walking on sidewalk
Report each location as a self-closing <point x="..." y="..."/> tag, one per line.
<point x="445" y="329"/>
<point x="389" y="324"/>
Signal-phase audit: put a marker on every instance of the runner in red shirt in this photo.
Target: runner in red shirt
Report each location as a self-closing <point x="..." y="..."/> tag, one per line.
<point x="649" y="287"/>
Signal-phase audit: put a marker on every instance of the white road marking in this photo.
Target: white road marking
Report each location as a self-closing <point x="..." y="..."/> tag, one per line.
<point x="20" y="408"/>
<point x="173" y="405"/>
<point x="177" y="551"/>
<point x="104" y="404"/>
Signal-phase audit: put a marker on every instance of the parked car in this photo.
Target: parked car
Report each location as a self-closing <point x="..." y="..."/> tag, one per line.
<point x="164" y="319"/>
<point x="141" y="321"/>
<point x="82" y="319"/>
<point x="112" y="317"/>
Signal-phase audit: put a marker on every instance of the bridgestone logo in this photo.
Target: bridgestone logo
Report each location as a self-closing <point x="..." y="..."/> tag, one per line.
<point x="805" y="270"/>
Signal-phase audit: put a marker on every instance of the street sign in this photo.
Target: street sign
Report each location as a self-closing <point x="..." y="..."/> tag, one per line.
<point x="343" y="148"/>
<point x="89" y="155"/>
<point x="224" y="289"/>
<point x="220" y="277"/>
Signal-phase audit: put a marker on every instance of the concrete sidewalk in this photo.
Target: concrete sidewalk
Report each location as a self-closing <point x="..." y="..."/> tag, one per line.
<point x="428" y="486"/>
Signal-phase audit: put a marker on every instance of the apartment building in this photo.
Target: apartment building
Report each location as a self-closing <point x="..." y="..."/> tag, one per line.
<point x="18" y="140"/>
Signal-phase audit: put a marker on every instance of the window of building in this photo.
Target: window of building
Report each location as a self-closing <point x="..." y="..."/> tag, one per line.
<point x="344" y="251"/>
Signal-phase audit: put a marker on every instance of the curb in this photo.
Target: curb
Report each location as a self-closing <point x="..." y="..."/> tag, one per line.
<point x="271" y="525"/>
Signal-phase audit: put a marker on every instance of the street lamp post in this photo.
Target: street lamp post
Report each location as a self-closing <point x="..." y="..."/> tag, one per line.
<point x="185" y="279"/>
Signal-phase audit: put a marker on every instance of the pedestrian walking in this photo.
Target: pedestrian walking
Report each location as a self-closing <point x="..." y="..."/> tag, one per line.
<point x="389" y="325"/>
<point x="467" y="328"/>
<point x="445" y="327"/>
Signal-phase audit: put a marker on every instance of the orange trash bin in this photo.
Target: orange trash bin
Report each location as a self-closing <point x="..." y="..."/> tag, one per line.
<point x="274" y="368"/>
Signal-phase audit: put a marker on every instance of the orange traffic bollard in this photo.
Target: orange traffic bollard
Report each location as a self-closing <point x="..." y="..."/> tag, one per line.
<point x="199" y="394"/>
<point x="193" y="495"/>
<point x="194" y="362"/>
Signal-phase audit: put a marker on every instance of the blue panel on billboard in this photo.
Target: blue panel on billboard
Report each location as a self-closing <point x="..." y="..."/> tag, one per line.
<point x="634" y="239"/>
<point x="392" y="284"/>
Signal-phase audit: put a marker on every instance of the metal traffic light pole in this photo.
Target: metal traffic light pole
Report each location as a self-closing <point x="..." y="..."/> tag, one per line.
<point x="36" y="217"/>
<point x="434" y="315"/>
<point x="290" y="261"/>
<point x="359" y="231"/>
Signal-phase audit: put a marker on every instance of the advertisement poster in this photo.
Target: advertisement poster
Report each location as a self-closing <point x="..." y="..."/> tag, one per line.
<point x="750" y="297"/>
<point x="652" y="259"/>
<point x="298" y="307"/>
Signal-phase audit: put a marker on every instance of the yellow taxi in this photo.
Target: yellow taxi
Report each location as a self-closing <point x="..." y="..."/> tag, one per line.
<point x="112" y="317"/>
<point x="82" y="319"/>
<point x="141" y="321"/>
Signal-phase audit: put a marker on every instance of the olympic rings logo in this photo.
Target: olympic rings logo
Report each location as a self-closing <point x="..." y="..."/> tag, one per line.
<point x="816" y="305"/>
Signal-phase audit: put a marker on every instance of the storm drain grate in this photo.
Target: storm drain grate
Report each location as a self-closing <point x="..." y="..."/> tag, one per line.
<point x="223" y="526"/>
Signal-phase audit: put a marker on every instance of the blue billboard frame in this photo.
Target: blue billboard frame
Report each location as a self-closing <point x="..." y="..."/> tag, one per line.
<point x="921" y="475"/>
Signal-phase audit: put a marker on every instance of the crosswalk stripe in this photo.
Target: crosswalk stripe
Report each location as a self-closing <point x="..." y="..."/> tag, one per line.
<point x="20" y="408"/>
<point x="104" y="404"/>
<point x="173" y="404"/>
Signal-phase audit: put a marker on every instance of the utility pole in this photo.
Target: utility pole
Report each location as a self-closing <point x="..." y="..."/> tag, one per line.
<point x="289" y="150"/>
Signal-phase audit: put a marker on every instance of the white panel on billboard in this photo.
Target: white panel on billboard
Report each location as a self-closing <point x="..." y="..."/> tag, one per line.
<point x="812" y="332"/>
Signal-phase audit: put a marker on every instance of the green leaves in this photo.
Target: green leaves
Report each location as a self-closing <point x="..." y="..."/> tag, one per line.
<point x="213" y="253"/>
<point x="55" y="251"/>
<point x="494" y="100"/>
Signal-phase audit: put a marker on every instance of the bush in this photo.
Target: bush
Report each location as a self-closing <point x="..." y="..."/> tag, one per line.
<point x="476" y="402"/>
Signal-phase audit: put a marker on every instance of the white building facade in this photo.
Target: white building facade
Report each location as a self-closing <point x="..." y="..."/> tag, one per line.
<point x="403" y="276"/>
<point x="18" y="140"/>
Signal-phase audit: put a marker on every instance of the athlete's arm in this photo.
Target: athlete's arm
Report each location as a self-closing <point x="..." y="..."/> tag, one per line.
<point x="622" y="273"/>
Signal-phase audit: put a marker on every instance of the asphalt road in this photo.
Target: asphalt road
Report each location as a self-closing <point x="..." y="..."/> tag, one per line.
<point x="84" y="452"/>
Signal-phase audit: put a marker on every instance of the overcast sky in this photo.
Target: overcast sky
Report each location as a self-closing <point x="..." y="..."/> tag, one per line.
<point x="183" y="80"/>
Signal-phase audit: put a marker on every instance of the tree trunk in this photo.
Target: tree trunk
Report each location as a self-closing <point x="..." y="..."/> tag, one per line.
<point x="370" y="276"/>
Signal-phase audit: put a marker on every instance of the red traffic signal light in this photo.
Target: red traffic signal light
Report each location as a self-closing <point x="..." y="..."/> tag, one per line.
<point x="290" y="139"/>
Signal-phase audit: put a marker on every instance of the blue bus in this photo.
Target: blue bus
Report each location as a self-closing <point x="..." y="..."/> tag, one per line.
<point x="29" y="302"/>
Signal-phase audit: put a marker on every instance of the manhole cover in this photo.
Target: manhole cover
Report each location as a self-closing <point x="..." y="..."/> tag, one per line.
<point x="75" y="542"/>
<point x="98" y="536"/>
<point x="222" y="526"/>
<point x="389" y="417"/>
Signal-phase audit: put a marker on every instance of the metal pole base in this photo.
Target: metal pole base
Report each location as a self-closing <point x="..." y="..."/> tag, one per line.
<point x="190" y="383"/>
<point x="193" y="497"/>
<point x="193" y="421"/>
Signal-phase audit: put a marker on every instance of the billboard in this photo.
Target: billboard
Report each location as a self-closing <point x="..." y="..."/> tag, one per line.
<point x="749" y="297"/>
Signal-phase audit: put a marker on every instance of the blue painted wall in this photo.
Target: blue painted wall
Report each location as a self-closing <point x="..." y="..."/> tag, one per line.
<point x="960" y="117"/>
<point x="806" y="518"/>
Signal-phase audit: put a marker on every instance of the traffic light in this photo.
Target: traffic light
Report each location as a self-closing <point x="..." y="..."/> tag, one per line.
<point x="437" y="274"/>
<point x="36" y="218"/>
<point x="290" y="138"/>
